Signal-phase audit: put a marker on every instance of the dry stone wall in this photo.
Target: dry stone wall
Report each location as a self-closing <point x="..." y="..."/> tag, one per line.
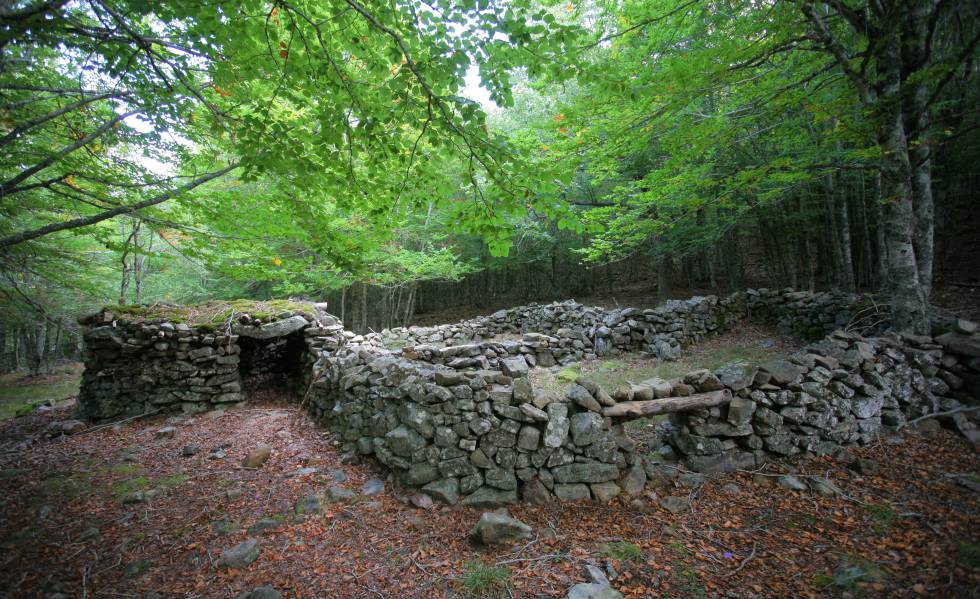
<point x="450" y="409"/>
<point x="136" y="367"/>
<point x="844" y="390"/>
<point x="568" y="331"/>
<point x="477" y="434"/>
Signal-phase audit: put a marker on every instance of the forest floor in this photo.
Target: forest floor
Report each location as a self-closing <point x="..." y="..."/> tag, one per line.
<point x="120" y="512"/>
<point x="20" y="392"/>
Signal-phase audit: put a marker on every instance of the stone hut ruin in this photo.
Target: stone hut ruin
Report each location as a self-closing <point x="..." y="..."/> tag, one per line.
<point x="451" y="409"/>
<point x="169" y="358"/>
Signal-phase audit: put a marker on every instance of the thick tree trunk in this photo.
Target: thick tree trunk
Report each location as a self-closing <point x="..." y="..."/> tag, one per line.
<point x="915" y="54"/>
<point x="909" y="306"/>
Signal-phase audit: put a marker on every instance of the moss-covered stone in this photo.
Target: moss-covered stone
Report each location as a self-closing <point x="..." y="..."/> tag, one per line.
<point x="209" y="315"/>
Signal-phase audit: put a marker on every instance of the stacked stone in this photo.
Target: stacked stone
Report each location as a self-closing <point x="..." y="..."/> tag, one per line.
<point x="136" y="367"/>
<point x="845" y="389"/>
<point x="534" y="349"/>
<point x="561" y="333"/>
<point x="479" y="435"/>
<point x="132" y="368"/>
<point x="959" y="367"/>
<point x="662" y="331"/>
<point x="814" y="315"/>
<point x="533" y="318"/>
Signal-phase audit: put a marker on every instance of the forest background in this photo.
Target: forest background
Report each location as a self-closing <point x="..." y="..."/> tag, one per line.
<point x="616" y="151"/>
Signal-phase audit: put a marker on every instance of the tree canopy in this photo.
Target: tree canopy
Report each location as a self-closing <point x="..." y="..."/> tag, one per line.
<point x="180" y="151"/>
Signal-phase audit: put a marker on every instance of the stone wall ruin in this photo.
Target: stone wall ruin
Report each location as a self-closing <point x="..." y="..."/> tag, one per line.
<point x="138" y="366"/>
<point x="450" y="409"/>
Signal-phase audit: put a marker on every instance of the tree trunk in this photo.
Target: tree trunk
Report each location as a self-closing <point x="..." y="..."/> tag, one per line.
<point x="364" y="307"/>
<point x="915" y="54"/>
<point x="909" y="306"/>
<point x="343" y="301"/>
<point x="846" y="260"/>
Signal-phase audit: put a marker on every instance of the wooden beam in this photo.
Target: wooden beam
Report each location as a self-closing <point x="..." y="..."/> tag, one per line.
<point x="629" y="410"/>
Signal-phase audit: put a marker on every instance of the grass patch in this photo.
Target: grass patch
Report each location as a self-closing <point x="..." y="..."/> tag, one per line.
<point x="692" y="584"/>
<point x="67" y="484"/>
<point x="968" y="555"/>
<point x="20" y="395"/>
<point x="568" y="374"/>
<point x="882" y="515"/>
<point x="128" y="469"/>
<point x="141" y="483"/>
<point x="169" y="482"/>
<point x="12" y="473"/>
<point x="612" y="365"/>
<point x="130" y="485"/>
<point x="622" y="551"/>
<point x="28" y="533"/>
<point x="485" y="581"/>
<point x="677" y="547"/>
<point x="850" y="575"/>
<point x="225" y="527"/>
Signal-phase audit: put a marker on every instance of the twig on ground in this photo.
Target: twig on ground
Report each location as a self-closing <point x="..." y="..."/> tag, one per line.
<point x="938" y="415"/>
<point x="742" y="564"/>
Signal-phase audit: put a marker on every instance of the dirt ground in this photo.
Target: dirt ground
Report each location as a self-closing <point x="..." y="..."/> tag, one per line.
<point x="67" y="528"/>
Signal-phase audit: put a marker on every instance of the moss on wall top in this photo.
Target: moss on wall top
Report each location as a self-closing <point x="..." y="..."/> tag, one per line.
<point x="207" y="315"/>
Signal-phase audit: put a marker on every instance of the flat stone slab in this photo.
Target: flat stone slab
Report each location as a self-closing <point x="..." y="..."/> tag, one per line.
<point x="280" y="328"/>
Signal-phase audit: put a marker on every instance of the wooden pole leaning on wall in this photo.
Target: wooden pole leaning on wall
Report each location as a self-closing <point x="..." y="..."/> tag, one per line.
<point x="629" y="410"/>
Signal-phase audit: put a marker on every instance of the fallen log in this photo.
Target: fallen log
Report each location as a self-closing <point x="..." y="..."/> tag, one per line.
<point x="629" y="410"/>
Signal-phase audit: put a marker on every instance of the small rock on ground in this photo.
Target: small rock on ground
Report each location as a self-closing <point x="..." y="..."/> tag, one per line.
<point x="257" y="456"/>
<point x="495" y="528"/>
<point x="336" y="493"/>
<point x="240" y="555"/>
<point x="421" y="501"/>
<point x="792" y="483"/>
<point x="264" y="592"/>
<point x="591" y="590"/>
<point x="166" y="432"/>
<point x="674" y="504"/>
<point x="373" y="486"/>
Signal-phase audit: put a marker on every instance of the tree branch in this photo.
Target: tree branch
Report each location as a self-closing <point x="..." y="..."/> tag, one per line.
<point x="21" y="128"/>
<point x="8" y="185"/>
<point x="11" y="240"/>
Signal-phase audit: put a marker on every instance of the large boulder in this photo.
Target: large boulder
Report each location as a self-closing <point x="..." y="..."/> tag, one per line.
<point x="585" y="472"/>
<point x="781" y="372"/>
<point x="960" y="343"/>
<point x="736" y="376"/>
<point x="490" y="497"/>
<point x="556" y="431"/>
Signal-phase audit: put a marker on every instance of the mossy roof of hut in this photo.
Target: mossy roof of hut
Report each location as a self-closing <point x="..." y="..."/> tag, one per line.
<point x="210" y="314"/>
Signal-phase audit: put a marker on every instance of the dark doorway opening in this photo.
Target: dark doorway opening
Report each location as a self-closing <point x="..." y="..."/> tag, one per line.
<point x="274" y="362"/>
